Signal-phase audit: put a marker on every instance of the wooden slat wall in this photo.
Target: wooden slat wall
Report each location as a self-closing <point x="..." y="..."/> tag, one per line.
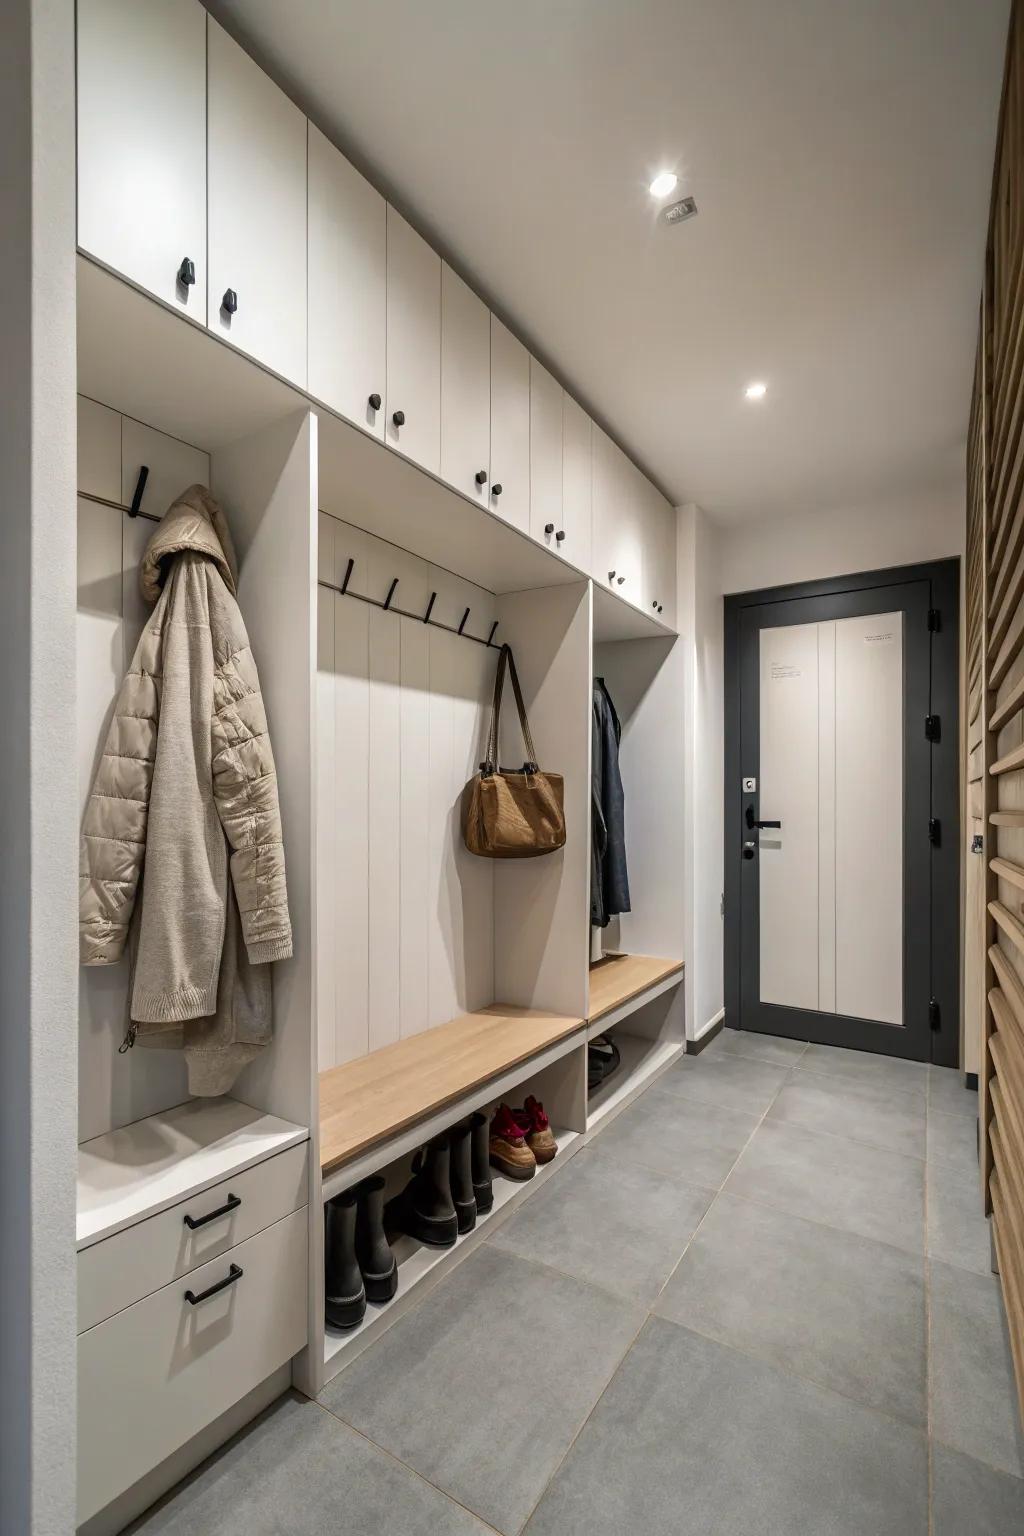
<point x="994" y="744"/>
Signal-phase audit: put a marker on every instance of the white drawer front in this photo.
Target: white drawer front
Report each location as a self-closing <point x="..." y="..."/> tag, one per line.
<point x="134" y="1263"/>
<point x="154" y="1375"/>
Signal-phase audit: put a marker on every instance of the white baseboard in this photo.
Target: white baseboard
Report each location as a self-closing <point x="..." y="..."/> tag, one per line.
<point x="711" y="1023"/>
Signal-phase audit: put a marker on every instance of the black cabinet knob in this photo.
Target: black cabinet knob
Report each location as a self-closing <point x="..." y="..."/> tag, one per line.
<point x="481" y="477"/>
<point x="187" y="273"/>
<point x="374" y="402"/>
<point x="611" y="575"/>
<point x="398" y="417"/>
<point x="549" y="529"/>
<point x="560" y="535"/>
<point x="620" y="580"/>
<point x="654" y="605"/>
<point x="659" y="608"/>
<point x="495" y="490"/>
<point x="229" y="303"/>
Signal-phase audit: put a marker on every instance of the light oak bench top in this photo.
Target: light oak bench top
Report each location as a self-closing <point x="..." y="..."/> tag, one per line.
<point x="367" y="1101"/>
<point x="616" y="979"/>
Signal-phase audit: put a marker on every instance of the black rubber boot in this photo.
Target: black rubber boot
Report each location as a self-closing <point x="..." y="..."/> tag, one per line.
<point x="378" y="1264"/>
<point x="463" y="1197"/>
<point x="424" y="1209"/>
<point x="483" y="1191"/>
<point x="345" y="1298"/>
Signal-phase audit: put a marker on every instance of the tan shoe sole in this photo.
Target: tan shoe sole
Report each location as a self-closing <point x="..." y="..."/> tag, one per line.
<point x="543" y="1146"/>
<point x="513" y="1162"/>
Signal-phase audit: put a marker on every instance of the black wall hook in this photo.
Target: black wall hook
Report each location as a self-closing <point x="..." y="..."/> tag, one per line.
<point x="389" y="606"/>
<point x="140" y="486"/>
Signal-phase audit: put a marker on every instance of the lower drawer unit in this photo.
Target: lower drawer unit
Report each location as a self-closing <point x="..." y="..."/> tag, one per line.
<point x="155" y="1374"/>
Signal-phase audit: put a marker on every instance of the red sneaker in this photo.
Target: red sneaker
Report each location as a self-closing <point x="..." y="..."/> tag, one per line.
<point x="509" y="1152"/>
<point x="536" y="1128"/>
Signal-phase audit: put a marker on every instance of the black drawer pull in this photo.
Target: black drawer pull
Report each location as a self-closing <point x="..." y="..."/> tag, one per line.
<point x="495" y="490"/>
<point x="398" y="417"/>
<point x="233" y="1274"/>
<point x="560" y="535"/>
<point x="231" y="1204"/>
<point x="374" y="402"/>
<point x="229" y="303"/>
<point x="187" y="273"/>
<point x="481" y="477"/>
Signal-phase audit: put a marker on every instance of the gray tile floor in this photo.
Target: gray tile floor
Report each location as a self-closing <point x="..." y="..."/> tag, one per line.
<point x="758" y="1302"/>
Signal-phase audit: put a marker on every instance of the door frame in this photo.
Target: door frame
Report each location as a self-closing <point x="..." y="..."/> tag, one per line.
<point x="943" y="577"/>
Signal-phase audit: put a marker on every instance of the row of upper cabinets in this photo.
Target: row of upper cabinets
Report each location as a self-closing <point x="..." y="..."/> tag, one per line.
<point x="203" y="183"/>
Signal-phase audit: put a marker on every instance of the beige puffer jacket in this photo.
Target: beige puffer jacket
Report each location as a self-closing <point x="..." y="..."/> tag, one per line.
<point x="187" y="769"/>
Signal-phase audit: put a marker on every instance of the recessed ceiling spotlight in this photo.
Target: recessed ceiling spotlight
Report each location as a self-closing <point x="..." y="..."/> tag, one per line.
<point x="756" y="391"/>
<point x="664" y="183"/>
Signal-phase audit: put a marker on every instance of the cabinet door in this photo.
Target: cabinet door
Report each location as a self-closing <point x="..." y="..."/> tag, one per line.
<point x="576" y="483"/>
<point x="256" y="157"/>
<point x="510" y="426"/>
<point x="142" y="143"/>
<point x="465" y="388"/>
<point x="546" y="522"/>
<point x="347" y="287"/>
<point x="414" y="345"/>
<point x="658" y="539"/>
<point x="616" y="556"/>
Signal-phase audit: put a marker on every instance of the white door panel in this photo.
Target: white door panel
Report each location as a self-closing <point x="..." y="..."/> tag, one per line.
<point x="831" y="770"/>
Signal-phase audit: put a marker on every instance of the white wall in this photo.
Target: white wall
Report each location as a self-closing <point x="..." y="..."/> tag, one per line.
<point x="38" y="819"/>
<point x="700" y="608"/>
<point x="928" y="525"/>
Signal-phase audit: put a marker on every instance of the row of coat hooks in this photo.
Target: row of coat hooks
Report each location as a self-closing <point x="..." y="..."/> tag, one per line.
<point x="387" y="604"/>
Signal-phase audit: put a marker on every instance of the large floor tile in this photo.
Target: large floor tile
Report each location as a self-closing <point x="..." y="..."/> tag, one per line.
<point x="750" y="1042"/>
<point x="299" y="1470"/>
<point x="947" y="1093"/>
<point x="610" y="1222"/>
<point x="482" y="1387"/>
<point x="735" y="1082"/>
<point x="698" y="1141"/>
<point x="974" y="1402"/>
<point x="953" y="1139"/>
<point x="695" y="1439"/>
<point x="869" y="1110"/>
<point x="971" y="1500"/>
<point x="860" y="1066"/>
<point x="839" y="1309"/>
<point x="958" y="1232"/>
<point x="842" y="1183"/>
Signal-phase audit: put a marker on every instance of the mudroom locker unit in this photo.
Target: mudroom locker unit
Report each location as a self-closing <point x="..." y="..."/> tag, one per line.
<point x="408" y="489"/>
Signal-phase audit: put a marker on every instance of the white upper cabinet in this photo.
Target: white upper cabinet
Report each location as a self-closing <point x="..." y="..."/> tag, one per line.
<point x="465" y="388"/>
<point x="256" y="158"/>
<point x="510" y="426"/>
<point x="658" y="537"/>
<point x="617" y="560"/>
<point x="546" y="521"/>
<point x="347" y="288"/>
<point x="414" y="345"/>
<point x="142" y="144"/>
<point x="577" y="475"/>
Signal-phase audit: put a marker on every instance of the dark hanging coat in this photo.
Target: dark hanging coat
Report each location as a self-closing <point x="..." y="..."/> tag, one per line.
<point x="609" y="883"/>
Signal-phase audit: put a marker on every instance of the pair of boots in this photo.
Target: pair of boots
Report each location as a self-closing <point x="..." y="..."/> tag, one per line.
<point x="358" y="1262"/>
<point x="449" y="1188"/>
<point x="520" y="1139"/>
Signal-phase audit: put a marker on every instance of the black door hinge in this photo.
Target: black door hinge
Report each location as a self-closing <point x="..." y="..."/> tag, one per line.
<point x="935" y="831"/>
<point x="932" y="727"/>
<point x="934" y="621"/>
<point x="934" y="1015"/>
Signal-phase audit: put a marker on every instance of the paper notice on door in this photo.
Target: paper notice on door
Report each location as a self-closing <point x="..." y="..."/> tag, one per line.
<point x="783" y="669"/>
<point x="882" y="637"/>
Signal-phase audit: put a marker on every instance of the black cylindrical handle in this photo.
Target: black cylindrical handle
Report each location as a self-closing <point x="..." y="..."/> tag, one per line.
<point x="187" y="273"/>
<point x="398" y="417"/>
<point x="233" y="1274"/>
<point x="229" y="303"/>
<point x="660" y="608"/>
<point x="620" y="580"/>
<point x="560" y="535"/>
<point x="611" y="575"/>
<point x="481" y="477"/>
<point x="495" y="490"/>
<point x="549" y="529"/>
<point x="374" y="402"/>
<point x="231" y="1204"/>
<point x="654" y="605"/>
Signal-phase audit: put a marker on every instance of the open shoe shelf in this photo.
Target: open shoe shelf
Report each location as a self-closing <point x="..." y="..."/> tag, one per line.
<point x="367" y="1105"/>
<point x="154" y="1163"/>
<point x="642" y="1061"/>
<point x="620" y="984"/>
<point x="421" y="1266"/>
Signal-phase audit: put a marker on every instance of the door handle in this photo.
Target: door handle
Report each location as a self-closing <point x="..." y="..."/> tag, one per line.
<point x="753" y="822"/>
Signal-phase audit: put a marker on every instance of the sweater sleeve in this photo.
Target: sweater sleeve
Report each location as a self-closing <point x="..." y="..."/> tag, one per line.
<point x="113" y="843"/>
<point x="245" y="791"/>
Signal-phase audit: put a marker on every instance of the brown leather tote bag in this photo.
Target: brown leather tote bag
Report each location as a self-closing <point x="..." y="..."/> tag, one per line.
<point x="508" y="814"/>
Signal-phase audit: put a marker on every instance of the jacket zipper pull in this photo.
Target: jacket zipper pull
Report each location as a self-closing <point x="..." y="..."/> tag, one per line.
<point x="129" y="1037"/>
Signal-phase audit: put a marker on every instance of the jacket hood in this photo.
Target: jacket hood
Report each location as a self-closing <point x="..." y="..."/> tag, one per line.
<point x="193" y="522"/>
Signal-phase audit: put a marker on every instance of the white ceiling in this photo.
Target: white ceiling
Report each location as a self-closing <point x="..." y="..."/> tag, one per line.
<point x="840" y="152"/>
